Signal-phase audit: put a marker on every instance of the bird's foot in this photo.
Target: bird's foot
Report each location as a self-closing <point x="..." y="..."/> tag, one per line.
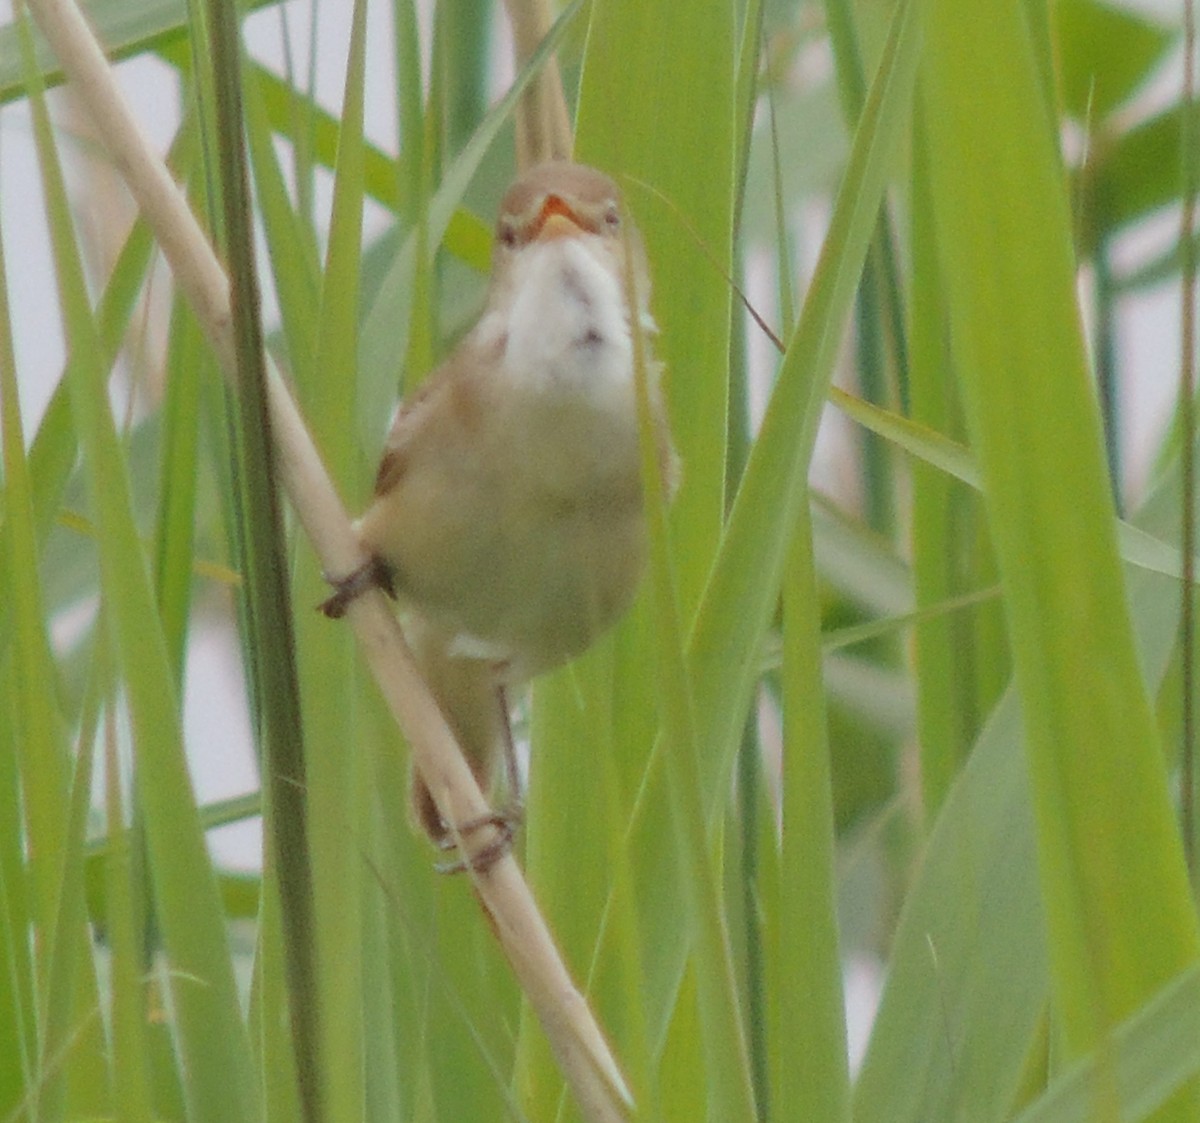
<point x="503" y="822"/>
<point x="374" y="573"/>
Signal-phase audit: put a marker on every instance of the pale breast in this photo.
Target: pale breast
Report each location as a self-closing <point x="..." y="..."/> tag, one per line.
<point x="516" y="524"/>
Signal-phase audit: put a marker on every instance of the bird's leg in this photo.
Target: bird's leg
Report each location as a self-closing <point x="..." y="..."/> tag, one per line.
<point x="514" y="806"/>
<point x="374" y="573"/>
<point x="505" y="821"/>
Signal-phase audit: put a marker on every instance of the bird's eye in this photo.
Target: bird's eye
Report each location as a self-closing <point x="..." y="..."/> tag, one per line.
<point x="612" y="217"/>
<point x="507" y="233"/>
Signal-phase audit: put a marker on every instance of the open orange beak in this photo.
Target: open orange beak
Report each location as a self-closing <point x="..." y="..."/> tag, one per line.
<point x="556" y="220"/>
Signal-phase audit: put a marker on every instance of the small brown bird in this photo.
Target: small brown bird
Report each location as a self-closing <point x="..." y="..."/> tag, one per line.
<point x="507" y="514"/>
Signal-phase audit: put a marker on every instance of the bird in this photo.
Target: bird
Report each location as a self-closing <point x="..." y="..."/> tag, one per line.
<point x="507" y="515"/>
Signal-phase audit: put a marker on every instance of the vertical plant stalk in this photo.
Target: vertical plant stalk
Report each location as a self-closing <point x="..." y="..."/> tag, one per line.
<point x="882" y="274"/>
<point x="1187" y="425"/>
<point x="264" y="559"/>
<point x="543" y="123"/>
<point x="574" y="1035"/>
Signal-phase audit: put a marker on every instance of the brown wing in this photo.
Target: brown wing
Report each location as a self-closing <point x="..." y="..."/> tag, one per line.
<point x="395" y="449"/>
<point x="391" y="468"/>
<point x="448" y="400"/>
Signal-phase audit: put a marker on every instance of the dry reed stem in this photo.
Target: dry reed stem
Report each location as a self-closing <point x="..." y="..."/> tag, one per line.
<point x="543" y="123"/>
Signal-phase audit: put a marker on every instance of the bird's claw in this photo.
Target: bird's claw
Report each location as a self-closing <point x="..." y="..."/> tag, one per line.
<point x="505" y="823"/>
<point x="374" y="573"/>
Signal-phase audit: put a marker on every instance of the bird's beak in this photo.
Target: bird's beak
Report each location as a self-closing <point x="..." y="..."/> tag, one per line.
<point x="556" y="219"/>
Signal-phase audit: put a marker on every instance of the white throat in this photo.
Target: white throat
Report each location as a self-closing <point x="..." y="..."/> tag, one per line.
<point x="568" y="329"/>
<point x="568" y="363"/>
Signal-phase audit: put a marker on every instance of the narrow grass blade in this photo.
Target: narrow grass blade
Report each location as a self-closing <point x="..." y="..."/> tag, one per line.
<point x="944" y="715"/>
<point x="811" y="1074"/>
<point x="29" y="730"/>
<point x="124" y="925"/>
<point x="727" y="1070"/>
<point x="293" y="256"/>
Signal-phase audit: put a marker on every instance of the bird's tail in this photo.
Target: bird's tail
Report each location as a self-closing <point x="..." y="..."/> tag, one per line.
<point x="473" y="704"/>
